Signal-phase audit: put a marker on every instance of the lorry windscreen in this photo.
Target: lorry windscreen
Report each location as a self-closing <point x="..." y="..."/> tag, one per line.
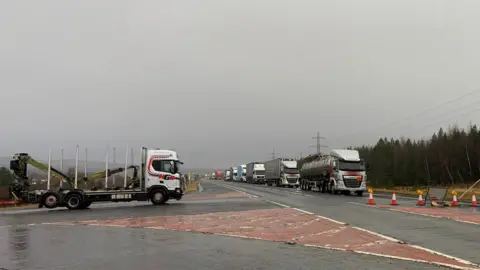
<point x="290" y="170"/>
<point x="162" y="165"/>
<point x="351" y="166"/>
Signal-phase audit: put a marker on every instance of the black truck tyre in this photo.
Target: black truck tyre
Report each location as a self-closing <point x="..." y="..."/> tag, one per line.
<point x="50" y="200"/>
<point x="159" y="196"/>
<point x="74" y="201"/>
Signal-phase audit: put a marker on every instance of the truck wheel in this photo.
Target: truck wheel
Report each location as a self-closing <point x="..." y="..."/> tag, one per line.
<point x="359" y="193"/>
<point x="50" y="200"/>
<point x="332" y="189"/>
<point x="74" y="201"/>
<point x="158" y="197"/>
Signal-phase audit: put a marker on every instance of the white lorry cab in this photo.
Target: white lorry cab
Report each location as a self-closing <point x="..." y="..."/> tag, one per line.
<point x="163" y="172"/>
<point x="348" y="172"/>
<point x="282" y="172"/>
<point x="234" y="173"/>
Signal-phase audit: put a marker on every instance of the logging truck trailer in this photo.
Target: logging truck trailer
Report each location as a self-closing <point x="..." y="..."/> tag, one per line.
<point x="159" y="181"/>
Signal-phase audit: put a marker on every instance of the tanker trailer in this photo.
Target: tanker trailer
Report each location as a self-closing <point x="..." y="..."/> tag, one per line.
<point x="340" y="171"/>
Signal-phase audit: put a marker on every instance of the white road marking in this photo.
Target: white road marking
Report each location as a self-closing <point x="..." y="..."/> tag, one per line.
<point x="420" y="214"/>
<point x="306" y="212"/>
<point x="418" y="261"/>
<point x="277" y="203"/>
<point x="379" y="235"/>
<point x="444" y="255"/>
<point x="237" y="190"/>
<point x="433" y="216"/>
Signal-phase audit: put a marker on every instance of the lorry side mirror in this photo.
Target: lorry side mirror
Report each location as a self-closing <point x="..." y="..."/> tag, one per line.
<point x="173" y="167"/>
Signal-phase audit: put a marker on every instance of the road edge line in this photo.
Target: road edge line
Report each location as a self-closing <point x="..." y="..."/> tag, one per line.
<point x="380" y="235"/>
<point x="433" y="216"/>
<point x="445" y="255"/>
<point x="416" y="260"/>
<point x="237" y="190"/>
<point x="279" y="204"/>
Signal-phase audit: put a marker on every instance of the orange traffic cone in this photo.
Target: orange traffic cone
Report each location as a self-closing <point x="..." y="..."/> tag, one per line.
<point x="474" y="200"/>
<point x="420" y="201"/>
<point x="394" y="199"/>
<point x="371" y="201"/>
<point x="455" y="202"/>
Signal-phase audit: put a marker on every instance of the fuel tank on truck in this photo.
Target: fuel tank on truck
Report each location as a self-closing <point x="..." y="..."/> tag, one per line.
<point x="316" y="167"/>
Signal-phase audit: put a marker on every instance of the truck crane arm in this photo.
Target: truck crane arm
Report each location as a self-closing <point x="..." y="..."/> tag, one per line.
<point x="102" y="174"/>
<point x="19" y="167"/>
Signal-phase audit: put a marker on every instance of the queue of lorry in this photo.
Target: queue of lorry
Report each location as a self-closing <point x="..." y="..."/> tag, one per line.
<point x="340" y="171"/>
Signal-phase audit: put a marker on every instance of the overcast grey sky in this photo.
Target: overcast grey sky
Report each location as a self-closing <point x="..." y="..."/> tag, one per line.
<point x="224" y="82"/>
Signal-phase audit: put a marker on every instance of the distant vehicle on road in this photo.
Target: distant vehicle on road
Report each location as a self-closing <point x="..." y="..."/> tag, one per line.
<point x="218" y="175"/>
<point x="282" y="172"/>
<point x="255" y="173"/>
<point x="228" y="175"/>
<point x="341" y="171"/>
<point x="234" y="172"/>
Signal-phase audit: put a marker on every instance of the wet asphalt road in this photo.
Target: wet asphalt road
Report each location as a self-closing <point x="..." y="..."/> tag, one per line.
<point x="446" y="236"/>
<point x="26" y="243"/>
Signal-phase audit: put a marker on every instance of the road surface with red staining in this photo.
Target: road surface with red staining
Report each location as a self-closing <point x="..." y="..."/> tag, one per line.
<point x="472" y="217"/>
<point x="288" y="225"/>
<point x="199" y="196"/>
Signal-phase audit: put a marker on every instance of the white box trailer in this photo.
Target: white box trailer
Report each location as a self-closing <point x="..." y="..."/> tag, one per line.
<point x="234" y="171"/>
<point x="228" y="175"/>
<point x="282" y="172"/>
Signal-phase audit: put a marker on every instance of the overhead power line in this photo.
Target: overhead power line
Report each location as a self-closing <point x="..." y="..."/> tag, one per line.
<point x="432" y="109"/>
<point x="396" y="122"/>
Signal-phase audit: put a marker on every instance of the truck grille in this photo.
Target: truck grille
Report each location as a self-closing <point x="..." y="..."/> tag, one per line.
<point x="292" y="180"/>
<point x="352" y="183"/>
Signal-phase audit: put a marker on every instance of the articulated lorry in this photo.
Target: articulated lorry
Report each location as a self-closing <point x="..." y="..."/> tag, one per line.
<point x="234" y="173"/>
<point x="341" y="171"/>
<point x="256" y="173"/>
<point x="159" y="182"/>
<point x="218" y="175"/>
<point x="228" y="175"/>
<point x="241" y="173"/>
<point x="282" y="172"/>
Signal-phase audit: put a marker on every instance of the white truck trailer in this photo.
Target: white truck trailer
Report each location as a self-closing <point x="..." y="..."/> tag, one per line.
<point x="159" y="182"/>
<point x="228" y="175"/>
<point x="256" y="173"/>
<point x="282" y="172"/>
<point x="234" y="172"/>
<point x="341" y="171"/>
<point x="241" y="173"/>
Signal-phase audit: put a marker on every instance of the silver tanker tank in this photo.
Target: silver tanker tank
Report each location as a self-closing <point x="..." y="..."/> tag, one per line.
<point x="316" y="167"/>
